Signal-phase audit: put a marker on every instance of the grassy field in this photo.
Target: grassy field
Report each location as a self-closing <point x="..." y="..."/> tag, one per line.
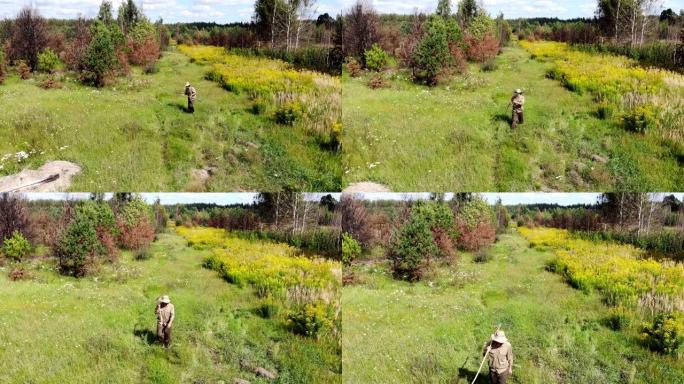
<point x="433" y="331"/>
<point x="134" y="135"/>
<point x="457" y="137"/>
<point x="102" y="328"/>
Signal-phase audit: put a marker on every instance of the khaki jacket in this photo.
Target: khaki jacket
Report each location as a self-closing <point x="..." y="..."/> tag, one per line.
<point x="499" y="359"/>
<point x="518" y="102"/>
<point x="191" y="93"/>
<point x="165" y="315"/>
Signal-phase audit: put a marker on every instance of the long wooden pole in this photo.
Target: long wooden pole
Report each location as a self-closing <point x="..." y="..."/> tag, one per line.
<point x="484" y="357"/>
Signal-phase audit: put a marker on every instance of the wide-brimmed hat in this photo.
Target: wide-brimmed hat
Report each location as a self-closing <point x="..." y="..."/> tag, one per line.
<point x="165" y="299"/>
<point x="518" y="91"/>
<point x="499" y="337"/>
<point x="187" y="83"/>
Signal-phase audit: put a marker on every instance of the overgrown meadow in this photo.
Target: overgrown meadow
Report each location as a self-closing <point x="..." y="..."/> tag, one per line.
<point x="433" y="330"/>
<point x="101" y="328"/>
<point x="618" y="128"/>
<point x="134" y="133"/>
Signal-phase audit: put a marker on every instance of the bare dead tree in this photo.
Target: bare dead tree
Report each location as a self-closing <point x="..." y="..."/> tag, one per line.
<point x="29" y="37"/>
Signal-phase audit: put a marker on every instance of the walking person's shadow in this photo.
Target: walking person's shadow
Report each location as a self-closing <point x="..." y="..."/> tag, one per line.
<point x="180" y="106"/>
<point x="145" y="335"/>
<point x="503" y="117"/>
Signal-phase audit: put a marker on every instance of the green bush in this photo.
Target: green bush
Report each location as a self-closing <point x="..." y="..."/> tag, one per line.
<point x="351" y="249"/>
<point x="639" y="119"/>
<point x="48" y="61"/>
<point x="489" y="66"/>
<point x="288" y="113"/>
<point x="100" y="55"/>
<point x="268" y="308"/>
<point x="482" y="256"/>
<point x="376" y="58"/>
<point x="16" y="247"/>
<point x="432" y="54"/>
<point x="311" y="319"/>
<point x="77" y="244"/>
<point x="663" y="335"/>
<point x="618" y="318"/>
<point x="411" y="246"/>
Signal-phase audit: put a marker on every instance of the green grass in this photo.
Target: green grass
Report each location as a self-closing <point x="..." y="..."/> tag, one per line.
<point x="100" y="329"/>
<point x="456" y="136"/>
<point x="134" y="135"/>
<point x="433" y="331"/>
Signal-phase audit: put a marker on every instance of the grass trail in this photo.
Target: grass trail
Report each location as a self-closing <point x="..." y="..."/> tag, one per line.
<point x="60" y="330"/>
<point x="433" y="332"/>
<point x="457" y="137"/>
<point x="135" y="135"/>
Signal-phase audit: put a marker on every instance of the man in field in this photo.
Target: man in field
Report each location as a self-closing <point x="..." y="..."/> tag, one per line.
<point x="166" y="313"/>
<point x="518" y="102"/>
<point x="499" y="354"/>
<point x="192" y="95"/>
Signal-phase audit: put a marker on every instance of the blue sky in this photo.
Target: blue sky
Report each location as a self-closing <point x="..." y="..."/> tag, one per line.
<point x="220" y="11"/>
<point x="224" y="11"/>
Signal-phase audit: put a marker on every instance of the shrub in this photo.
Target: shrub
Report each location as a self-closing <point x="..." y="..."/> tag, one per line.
<point x="78" y="244"/>
<point x="144" y="53"/>
<point x="489" y="65"/>
<point x="100" y="55"/>
<point x="432" y="52"/>
<point x="2" y="66"/>
<point x="351" y="249"/>
<point x="16" y="247"/>
<point x="311" y="319"/>
<point x="475" y="225"/>
<point x="51" y="83"/>
<point x="353" y="67"/>
<point x="288" y="113"/>
<point x="482" y="256"/>
<point x="24" y="70"/>
<point x="259" y="106"/>
<point x="376" y="58"/>
<point x="411" y="249"/>
<point x="483" y="49"/>
<point x="268" y="308"/>
<point x="13" y="216"/>
<point x="136" y="235"/>
<point x="48" y="61"/>
<point x="377" y="81"/>
<point x="142" y="254"/>
<point x="19" y="273"/>
<point x="618" y="318"/>
<point x="663" y="334"/>
<point x="639" y="119"/>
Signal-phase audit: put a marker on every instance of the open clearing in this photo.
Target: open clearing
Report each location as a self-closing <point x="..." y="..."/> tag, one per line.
<point x="433" y="331"/>
<point x="457" y="137"/>
<point x="134" y="135"/>
<point x="57" y="329"/>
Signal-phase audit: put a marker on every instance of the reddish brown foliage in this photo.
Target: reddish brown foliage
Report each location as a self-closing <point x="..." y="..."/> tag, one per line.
<point x="29" y="37"/>
<point x="459" y="57"/>
<point x="75" y="51"/>
<point x="122" y="58"/>
<point x="377" y="81"/>
<point x="24" y="70"/>
<point x="355" y="219"/>
<point x="109" y="243"/>
<point x="56" y="42"/>
<point x="353" y="67"/>
<point x="445" y="245"/>
<point x="19" y="273"/>
<point x="481" y="50"/>
<point x="476" y="237"/>
<point x="135" y="236"/>
<point x="145" y="53"/>
<point x="13" y="216"/>
<point x="51" y="83"/>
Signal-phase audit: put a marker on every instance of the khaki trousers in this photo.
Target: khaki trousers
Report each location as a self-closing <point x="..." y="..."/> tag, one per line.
<point x="164" y="335"/>
<point x="498" y="378"/>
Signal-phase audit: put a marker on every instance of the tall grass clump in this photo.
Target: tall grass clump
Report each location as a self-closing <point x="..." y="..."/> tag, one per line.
<point x="624" y="276"/>
<point x="305" y="286"/>
<point x="646" y="100"/>
<point x="305" y="98"/>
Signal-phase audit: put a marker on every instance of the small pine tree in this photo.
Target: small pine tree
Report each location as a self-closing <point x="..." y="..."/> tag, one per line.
<point x="411" y="246"/>
<point x="100" y="55"/>
<point x="432" y="54"/>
